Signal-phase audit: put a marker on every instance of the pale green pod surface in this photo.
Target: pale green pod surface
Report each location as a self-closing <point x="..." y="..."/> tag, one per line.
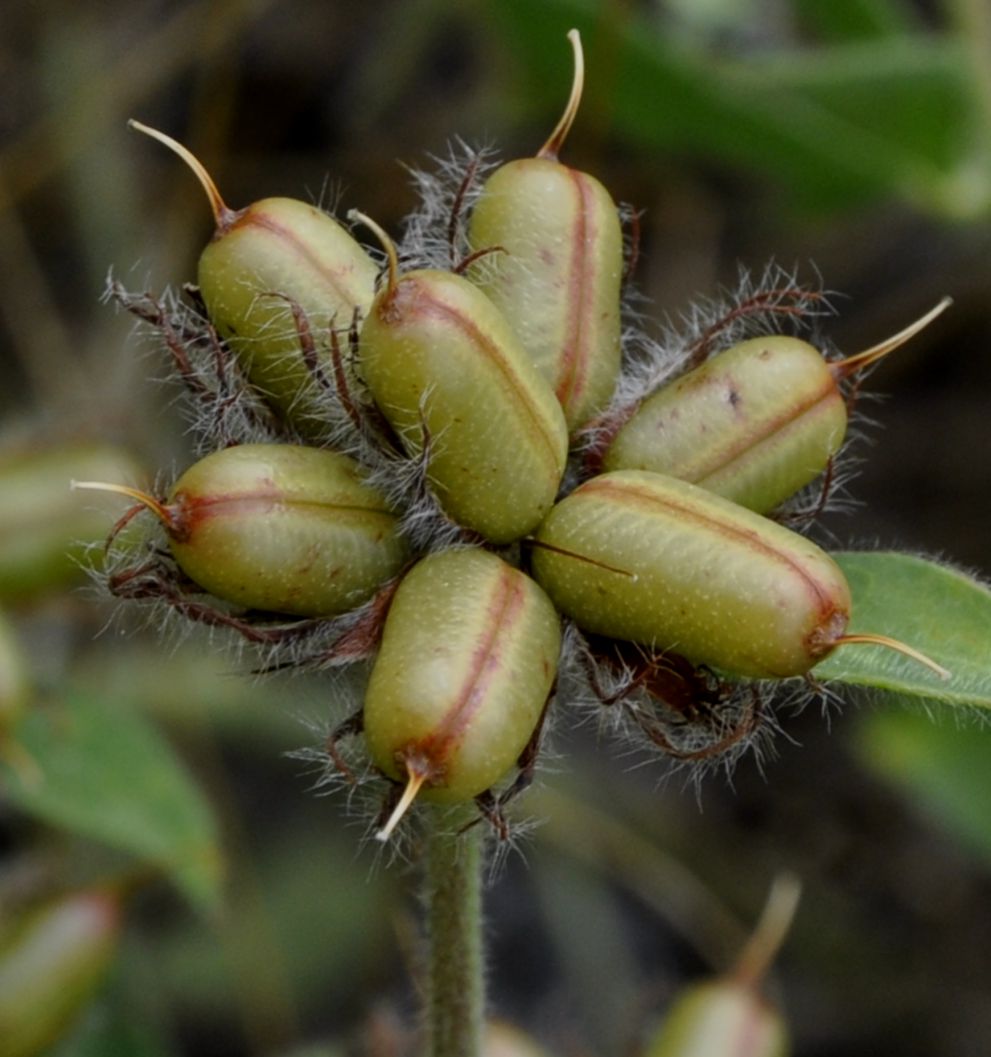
<point x="468" y="657"/>
<point x="721" y="1019"/>
<point x="435" y="351"/>
<point x="755" y="424"/>
<point x="276" y="249"/>
<point x="641" y="556"/>
<point x="283" y="528"/>
<point x="45" y="530"/>
<point x="559" y="279"/>
<point x="51" y="962"/>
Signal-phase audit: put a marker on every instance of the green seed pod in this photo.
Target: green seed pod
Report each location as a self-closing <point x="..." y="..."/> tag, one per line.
<point x="559" y="279"/>
<point x="731" y="1016"/>
<point x="440" y="358"/>
<point x="45" y="532"/>
<point x="14" y="686"/>
<point x="468" y="657"/>
<point x="51" y="962"/>
<point x="721" y="1018"/>
<point x="754" y="424"/>
<point x="281" y="528"/>
<point x="263" y="259"/>
<point x="640" y="556"/>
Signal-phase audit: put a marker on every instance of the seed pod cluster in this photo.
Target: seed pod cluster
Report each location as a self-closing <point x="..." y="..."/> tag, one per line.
<point x="462" y="388"/>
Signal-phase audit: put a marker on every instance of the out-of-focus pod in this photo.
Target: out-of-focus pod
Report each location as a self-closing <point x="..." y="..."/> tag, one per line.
<point x="721" y="1019"/>
<point x="730" y="1016"/>
<point x="45" y="530"/>
<point x="52" y="960"/>
<point x="502" y="1039"/>
<point x="13" y="678"/>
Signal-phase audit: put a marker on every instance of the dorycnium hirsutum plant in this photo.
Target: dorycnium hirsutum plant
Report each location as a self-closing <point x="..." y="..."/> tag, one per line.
<point x="462" y="465"/>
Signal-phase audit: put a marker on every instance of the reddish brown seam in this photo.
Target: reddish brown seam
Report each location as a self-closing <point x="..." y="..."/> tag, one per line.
<point x="505" y="605"/>
<point x="426" y="305"/>
<point x="599" y="486"/>
<point x="190" y="510"/>
<point x="575" y="360"/>
<point x="333" y="278"/>
<point x="733" y="453"/>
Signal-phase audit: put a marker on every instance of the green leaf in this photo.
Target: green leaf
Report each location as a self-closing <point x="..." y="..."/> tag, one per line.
<point x="836" y="126"/>
<point x="856" y="19"/>
<point x="107" y="774"/>
<point x="943" y="768"/>
<point x="108" y="1029"/>
<point x="931" y="607"/>
<point x="900" y="101"/>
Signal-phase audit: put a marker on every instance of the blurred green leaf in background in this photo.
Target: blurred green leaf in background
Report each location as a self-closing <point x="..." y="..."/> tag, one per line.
<point x="853" y="102"/>
<point x="104" y="772"/>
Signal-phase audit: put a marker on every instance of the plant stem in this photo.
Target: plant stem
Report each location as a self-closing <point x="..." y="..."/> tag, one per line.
<point x="453" y="898"/>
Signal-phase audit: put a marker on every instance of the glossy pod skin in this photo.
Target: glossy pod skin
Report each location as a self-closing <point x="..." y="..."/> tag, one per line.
<point x="276" y="249"/>
<point x="754" y="424"/>
<point x="468" y="657"/>
<point x="282" y="528"/>
<point x="648" y="558"/>
<point x="264" y="260"/>
<point x="435" y="351"/>
<point x="559" y="269"/>
<point x="51" y="962"/>
<point x="559" y="278"/>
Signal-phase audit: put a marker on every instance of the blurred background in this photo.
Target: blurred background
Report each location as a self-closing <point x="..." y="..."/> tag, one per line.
<point x="850" y="141"/>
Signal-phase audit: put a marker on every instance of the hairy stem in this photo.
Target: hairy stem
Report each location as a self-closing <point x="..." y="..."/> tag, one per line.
<point x="452" y="890"/>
